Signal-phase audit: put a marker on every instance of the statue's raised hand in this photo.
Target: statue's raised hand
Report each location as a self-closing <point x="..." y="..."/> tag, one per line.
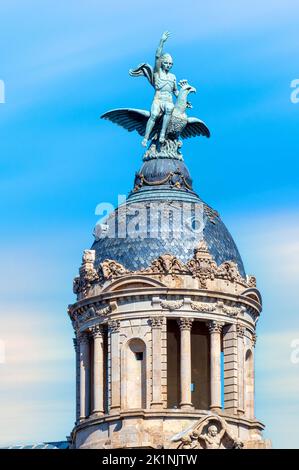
<point x="165" y="36"/>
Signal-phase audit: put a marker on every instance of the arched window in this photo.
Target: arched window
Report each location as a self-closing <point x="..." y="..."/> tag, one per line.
<point x="133" y="378"/>
<point x="249" y="384"/>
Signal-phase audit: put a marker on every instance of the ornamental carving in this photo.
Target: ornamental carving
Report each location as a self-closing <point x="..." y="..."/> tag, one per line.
<point x="110" y="269"/>
<point x="240" y="330"/>
<point x="166" y="264"/>
<point x="83" y="338"/>
<point x="202" y="266"/>
<point x="156" y="322"/>
<point x="215" y="326"/>
<point x="87" y="312"/>
<point x="96" y="331"/>
<point x="185" y="323"/>
<point x="251" y="281"/>
<point x="231" y="311"/>
<point x="172" y="305"/>
<point x="203" y="307"/>
<point x="114" y="326"/>
<point x="211" y="432"/>
<point x="229" y="271"/>
<point x="87" y="274"/>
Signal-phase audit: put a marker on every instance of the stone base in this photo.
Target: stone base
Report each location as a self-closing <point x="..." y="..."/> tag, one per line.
<point x="159" y="429"/>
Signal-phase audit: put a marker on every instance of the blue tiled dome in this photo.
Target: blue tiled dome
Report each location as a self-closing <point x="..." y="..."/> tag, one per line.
<point x="152" y="237"/>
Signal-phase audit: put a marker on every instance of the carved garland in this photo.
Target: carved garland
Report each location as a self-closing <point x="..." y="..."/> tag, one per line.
<point x="203" y="307"/>
<point x="172" y="305"/>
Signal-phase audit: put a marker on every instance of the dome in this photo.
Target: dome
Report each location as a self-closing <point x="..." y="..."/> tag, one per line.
<point x="144" y="228"/>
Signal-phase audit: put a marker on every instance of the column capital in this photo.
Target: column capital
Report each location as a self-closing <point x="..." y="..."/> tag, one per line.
<point x="185" y="323"/>
<point x="96" y="331"/>
<point x="83" y="337"/>
<point x="240" y="330"/>
<point x="215" y="326"/>
<point x="156" y="322"/>
<point x="114" y="326"/>
<point x="76" y="344"/>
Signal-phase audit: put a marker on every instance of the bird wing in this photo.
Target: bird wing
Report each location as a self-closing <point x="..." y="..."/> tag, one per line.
<point x="195" y="127"/>
<point x="128" y="118"/>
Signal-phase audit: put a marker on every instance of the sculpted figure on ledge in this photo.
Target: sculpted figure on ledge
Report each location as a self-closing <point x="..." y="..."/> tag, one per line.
<point x="211" y="432"/>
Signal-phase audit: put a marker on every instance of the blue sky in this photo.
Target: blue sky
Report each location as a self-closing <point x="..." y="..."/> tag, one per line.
<point x="63" y="65"/>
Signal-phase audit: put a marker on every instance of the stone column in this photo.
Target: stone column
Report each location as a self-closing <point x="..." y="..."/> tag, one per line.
<point x="114" y="326"/>
<point x="230" y="352"/>
<point x="84" y="376"/>
<point x="215" y="364"/>
<point x="241" y="365"/>
<point x="98" y="369"/>
<point x="77" y="351"/>
<point x="185" y="325"/>
<point x="156" y="323"/>
<point x="252" y="385"/>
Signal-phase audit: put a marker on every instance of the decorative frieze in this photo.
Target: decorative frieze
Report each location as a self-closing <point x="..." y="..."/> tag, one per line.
<point x="233" y="311"/>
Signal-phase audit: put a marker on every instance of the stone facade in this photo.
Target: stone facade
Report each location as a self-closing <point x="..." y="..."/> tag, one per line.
<point x="165" y="355"/>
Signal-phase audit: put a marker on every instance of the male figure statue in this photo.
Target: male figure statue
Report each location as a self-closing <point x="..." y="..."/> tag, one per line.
<point x="165" y="85"/>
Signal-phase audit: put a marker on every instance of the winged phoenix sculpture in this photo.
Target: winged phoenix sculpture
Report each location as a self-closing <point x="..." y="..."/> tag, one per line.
<point x="166" y="122"/>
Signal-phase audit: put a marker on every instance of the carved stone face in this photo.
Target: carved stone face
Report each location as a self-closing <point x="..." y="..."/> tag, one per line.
<point x="212" y="430"/>
<point x="166" y="62"/>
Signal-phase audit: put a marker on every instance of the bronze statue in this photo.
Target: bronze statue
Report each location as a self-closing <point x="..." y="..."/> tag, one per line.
<point x="166" y="121"/>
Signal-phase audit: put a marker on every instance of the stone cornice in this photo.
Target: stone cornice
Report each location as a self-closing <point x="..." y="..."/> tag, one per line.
<point x="169" y="413"/>
<point x="209" y="302"/>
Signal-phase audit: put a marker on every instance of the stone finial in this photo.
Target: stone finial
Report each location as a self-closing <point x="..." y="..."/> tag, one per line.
<point x="87" y="273"/>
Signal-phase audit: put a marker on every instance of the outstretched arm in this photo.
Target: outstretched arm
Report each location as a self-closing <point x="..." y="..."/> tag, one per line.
<point x="159" y="50"/>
